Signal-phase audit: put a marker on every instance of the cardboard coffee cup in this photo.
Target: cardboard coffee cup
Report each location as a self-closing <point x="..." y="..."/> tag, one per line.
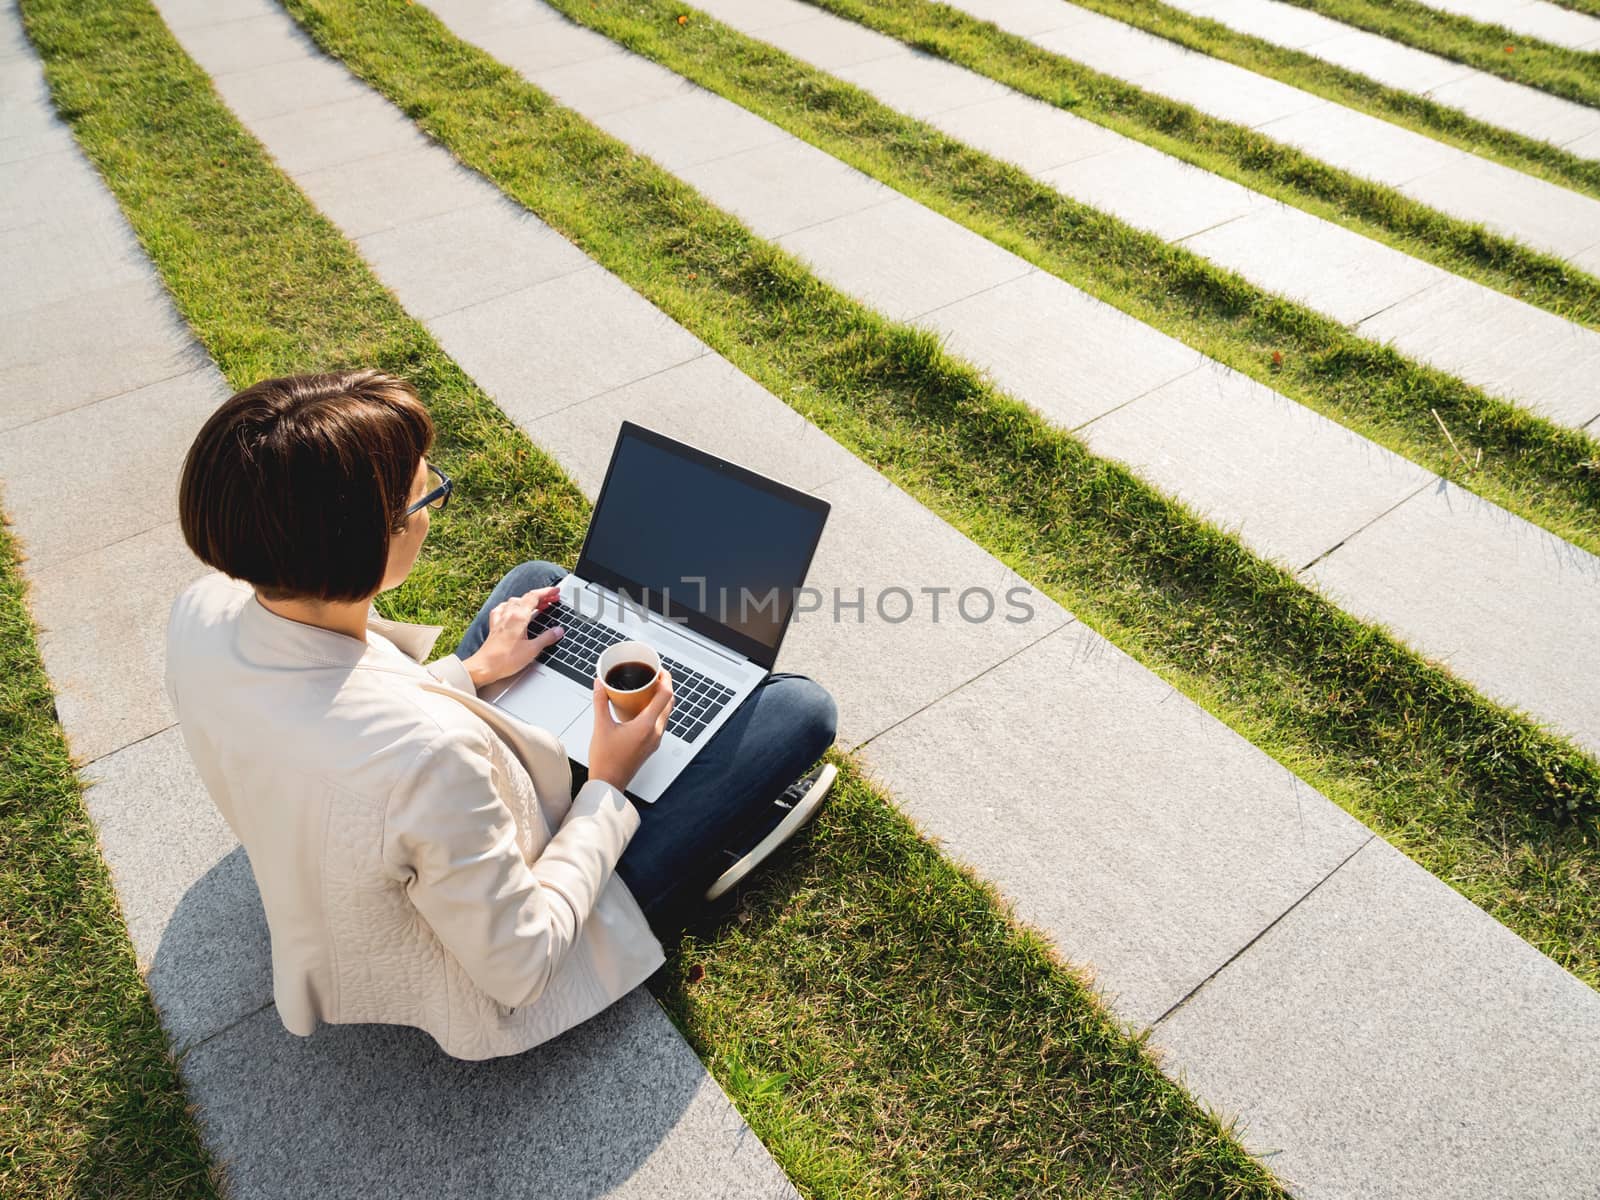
<point x="630" y="672"/>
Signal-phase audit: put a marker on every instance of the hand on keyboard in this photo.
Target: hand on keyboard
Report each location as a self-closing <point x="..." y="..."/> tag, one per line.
<point x="577" y="655"/>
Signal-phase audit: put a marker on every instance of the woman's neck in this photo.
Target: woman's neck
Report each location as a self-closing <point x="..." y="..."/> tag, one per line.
<point x="348" y="617"/>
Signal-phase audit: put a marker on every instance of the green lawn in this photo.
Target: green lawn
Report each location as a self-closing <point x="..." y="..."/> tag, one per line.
<point x="1021" y="1084"/>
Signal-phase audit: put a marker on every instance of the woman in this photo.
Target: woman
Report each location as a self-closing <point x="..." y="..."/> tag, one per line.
<point x="420" y="855"/>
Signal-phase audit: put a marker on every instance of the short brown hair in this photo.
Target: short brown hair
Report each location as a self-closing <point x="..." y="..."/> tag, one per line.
<point x="296" y="485"/>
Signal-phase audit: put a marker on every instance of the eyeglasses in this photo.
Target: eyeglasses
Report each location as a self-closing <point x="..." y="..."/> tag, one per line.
<point x="439" y="496"/>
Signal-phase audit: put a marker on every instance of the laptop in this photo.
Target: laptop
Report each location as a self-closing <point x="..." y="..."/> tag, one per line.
<point x="699" y="558"/>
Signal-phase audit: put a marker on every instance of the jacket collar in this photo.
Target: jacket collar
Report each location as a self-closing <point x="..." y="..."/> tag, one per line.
<point x="264" y="630"/>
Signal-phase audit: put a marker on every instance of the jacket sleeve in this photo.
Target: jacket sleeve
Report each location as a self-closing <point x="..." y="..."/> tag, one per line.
<point x="452" y="671"/>
<point x="508" y="922"/>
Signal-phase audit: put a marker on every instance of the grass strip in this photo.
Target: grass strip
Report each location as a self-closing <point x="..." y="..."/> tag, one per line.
<point x="90" y="1102"/>
<point x="1542" y="471"/>
<point x="1091" y="93"/>
<point x="1504" y="812"/>
<point x="1560" y="70"/>
<point x="1589" y="7"/>
<point x="1078" y="1107"/>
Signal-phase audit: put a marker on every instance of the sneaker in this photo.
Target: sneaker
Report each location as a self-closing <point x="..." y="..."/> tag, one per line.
<point x="801" y="799"/>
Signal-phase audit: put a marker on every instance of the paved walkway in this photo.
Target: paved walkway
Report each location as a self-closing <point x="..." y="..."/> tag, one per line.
<point x="1510" y="349"/>
<point x="102" y="388"/>
<point x="1543" y="215"/>
<point x="1514" y="106"/>
<point x="1390" y="541"/>
<point x="1174" y="845"/>
<point x="1531" y="18"/>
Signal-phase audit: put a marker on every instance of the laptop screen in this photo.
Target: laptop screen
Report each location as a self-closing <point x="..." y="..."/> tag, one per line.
<point x="696" y="538"/>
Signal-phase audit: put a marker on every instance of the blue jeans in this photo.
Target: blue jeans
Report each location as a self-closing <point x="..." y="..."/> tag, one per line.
<point x="722" y="802"/>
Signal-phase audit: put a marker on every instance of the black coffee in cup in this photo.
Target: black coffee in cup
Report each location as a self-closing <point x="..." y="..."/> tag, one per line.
<point x="630" y="676"/>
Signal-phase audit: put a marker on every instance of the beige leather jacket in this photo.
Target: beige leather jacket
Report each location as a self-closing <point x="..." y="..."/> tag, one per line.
<point x="419" y="853"/>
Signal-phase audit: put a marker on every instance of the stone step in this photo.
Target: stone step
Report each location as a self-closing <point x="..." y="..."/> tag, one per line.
<point x="1149" y="840"/>
<point x="1531" y="18"/>
<point x="1543" y="215"/>
<point x="1489" y="98"/>
<point x="102" y="388"/>
<point x="1294" y="485"/>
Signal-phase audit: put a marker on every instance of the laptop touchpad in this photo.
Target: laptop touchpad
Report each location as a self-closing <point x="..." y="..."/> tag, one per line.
<point x="544" y="699"/>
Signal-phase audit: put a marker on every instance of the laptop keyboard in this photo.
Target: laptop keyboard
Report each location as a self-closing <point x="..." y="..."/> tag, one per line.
<point x="696" y="698"/>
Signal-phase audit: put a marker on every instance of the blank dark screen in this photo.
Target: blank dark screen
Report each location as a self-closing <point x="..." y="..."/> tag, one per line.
<point x="665" y="522"/>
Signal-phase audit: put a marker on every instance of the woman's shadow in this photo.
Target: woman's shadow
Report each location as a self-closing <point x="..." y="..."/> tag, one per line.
<point x="358" y="1110"/>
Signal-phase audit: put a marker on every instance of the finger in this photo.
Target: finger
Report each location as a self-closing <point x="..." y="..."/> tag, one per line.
<point x="547" y="639"/>
<point x="543" y="598"/>
<point x="661" y="703"/>
<point x="602" y="706"/>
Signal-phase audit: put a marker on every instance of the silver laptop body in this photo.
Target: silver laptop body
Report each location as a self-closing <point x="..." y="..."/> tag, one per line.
<point x="694" y="555"/>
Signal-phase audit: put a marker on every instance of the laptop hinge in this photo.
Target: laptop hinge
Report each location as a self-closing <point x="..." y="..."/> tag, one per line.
<point x="678" y="627"/>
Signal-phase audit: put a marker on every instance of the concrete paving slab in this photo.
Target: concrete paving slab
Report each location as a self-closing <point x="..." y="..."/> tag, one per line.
<point x="1360" y="144"/>
<point x="192" y="14"/>
<point x="759" y="14"/>
<point x="878" y="539"/>
<point x="184" y="885"/>
<point x="102" y="621"/>
<point x="25" y="104"/>
<point x="1489" y="1052"/>
<point x="919" y="84"/>
<point x="1281" y="24"/>
<point x="1287" y="481"/>
<point x="1487" y="337"/>
<point x="1390" y="63"/>
<point x="1026" y="16"/>
<point x="1248" y="98"/>
<point x="1021" y="130"/>
<point x="56" y="357"/>
<point x="285" y="87"/>
<point x="103" y="472"/>
<point x="1587" y="146"/>
<point x="1523" y="109"/>
<point x="335" y="134"/>
<point x="498" y="16"/>
<point x="1151" y="191"/>
<point x="1503" y="603"/>
<point x="1531" y="18"/>
<point x="393" y="189"/>
<point x="758" y="187"/>
<point x="1322" y="265"/>
<point x="1533" y="211"/>
<point x="618" y="1107"/>
<point x="1107" y="45"/>
<point x="605" y="85"/>
<point x="692" y="128"/>
<point x="903" y="259"/>
<point x="457" y="259"/>
<point x="559" y="342"/>
<point x="546" y="44"/>
<point x="707" y="402"/>
<point x="244" y="45"/>
<point x="1070" y="356"/>
<point x="61" y="234"/>
<point x="1145" y="838"/>
<point x="35" y="143"/>
<point x="830" y="42"/>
